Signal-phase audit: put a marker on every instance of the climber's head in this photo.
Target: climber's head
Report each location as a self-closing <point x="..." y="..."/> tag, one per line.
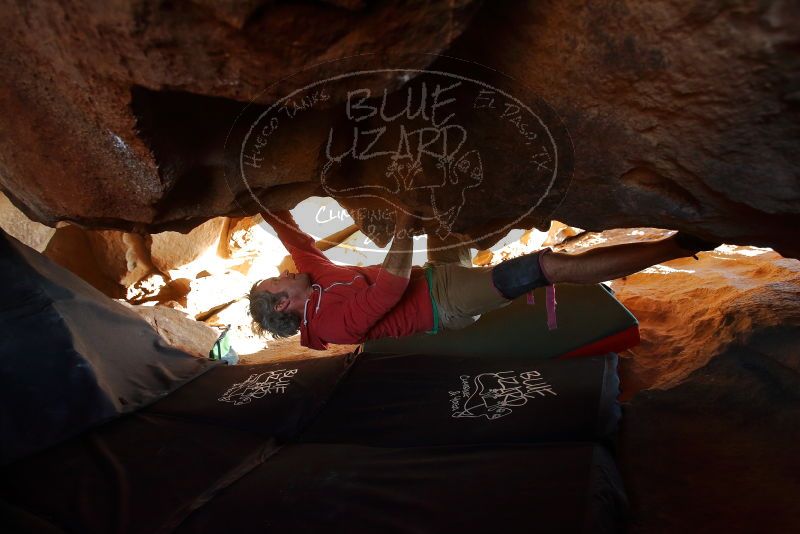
<point x="276" y="304"/>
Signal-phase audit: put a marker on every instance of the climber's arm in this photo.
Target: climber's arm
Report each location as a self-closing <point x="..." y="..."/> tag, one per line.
<point x="300" y="245"/>
<point x="398" y="260"/>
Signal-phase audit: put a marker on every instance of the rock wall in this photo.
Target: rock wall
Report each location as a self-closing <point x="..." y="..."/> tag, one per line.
<point x="163" y="267"/>
<point x="711" y="393"/>
<point x="714" y="453"/>
<point x="692" y="311"/>
<point x="13" y="221"/>
<point x="122" y="257"/>
<point x="682" y="116"/>
<point x="72" y="146"/>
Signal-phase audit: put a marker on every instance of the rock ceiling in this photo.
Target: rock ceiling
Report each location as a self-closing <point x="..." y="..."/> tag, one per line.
<point x="142" y="116"/>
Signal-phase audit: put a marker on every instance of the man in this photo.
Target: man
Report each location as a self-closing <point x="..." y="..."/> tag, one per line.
<point x="348" y="305"/>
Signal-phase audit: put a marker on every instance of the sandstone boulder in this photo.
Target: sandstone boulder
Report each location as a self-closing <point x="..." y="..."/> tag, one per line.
<point x="244" y="239"/>
<point x="691" y="311"/>
<point x="148" y="288"/>
<point x="289" y="349"/>
<point x="171" y="250"/>
<point x="179" y="330"/>
<point x="558" y="233"/>
<point x="71" y="248"/>
<point x="712" y="391"/>
<point x="17" y="224"/>
<point x="653" y="130"/>
<point x="123" y="257"/>
<point x="94" y="88"/>
<point x="682" y="116"/>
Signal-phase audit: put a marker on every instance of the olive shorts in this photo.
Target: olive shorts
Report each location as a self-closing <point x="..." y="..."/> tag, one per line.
<point x="462" y="294"/>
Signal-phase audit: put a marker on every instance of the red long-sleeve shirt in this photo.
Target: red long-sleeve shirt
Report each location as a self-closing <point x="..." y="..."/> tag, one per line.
<point x="353" y="304"/>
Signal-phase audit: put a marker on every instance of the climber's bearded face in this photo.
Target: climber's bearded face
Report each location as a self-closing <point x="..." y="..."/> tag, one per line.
<point x="296" y="285"/>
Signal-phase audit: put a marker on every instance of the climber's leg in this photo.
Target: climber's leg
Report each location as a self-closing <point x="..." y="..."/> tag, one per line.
<point x="463" y="293"/>
<point x="615" y="261"/>
<point x="517" y="276"/>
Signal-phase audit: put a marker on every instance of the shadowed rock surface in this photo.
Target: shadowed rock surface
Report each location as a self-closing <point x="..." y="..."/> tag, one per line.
<point x="707" y="446"/>
<point x="714" y="454"/>
<point x="680" y="116"/>
<point x="711" y="393"/>
<point x="71" y="144"/>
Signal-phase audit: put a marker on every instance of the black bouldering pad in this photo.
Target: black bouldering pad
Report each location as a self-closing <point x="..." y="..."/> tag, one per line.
<point x="419" y="400"/>
<point x="145" y="472"/>
<point x="276" y="400"/>
<point x="70" y="357"/>
<point x="354" y="489"/>
<point x="344" y="444"/>
<point x="140" y="473"/>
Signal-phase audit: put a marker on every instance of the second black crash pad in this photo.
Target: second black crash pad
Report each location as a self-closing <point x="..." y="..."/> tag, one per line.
<point x="590" y="321"/>
<point x="353" y="489"/>
<point x="420" y="400"/>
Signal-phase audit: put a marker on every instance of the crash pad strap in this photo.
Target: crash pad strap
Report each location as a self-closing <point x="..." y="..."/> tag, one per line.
<point x="552" y="322"/>
<point x="550" y="305"/>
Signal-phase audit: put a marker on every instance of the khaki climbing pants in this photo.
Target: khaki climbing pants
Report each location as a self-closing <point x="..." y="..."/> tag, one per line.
<point x="462" y="294"/>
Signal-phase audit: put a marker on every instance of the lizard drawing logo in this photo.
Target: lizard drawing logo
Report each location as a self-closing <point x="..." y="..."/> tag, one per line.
<point x="493" y="395"/>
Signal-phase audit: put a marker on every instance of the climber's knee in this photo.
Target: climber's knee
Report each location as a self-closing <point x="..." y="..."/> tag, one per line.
<point x="517" y="276"/>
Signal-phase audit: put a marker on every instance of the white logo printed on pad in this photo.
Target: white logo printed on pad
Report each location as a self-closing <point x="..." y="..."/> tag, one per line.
<point x="256" y="386"/>
<point x="492" y="395"/>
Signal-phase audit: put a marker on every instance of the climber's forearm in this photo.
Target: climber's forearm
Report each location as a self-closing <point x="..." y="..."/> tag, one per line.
<point x="398" y="260"/>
